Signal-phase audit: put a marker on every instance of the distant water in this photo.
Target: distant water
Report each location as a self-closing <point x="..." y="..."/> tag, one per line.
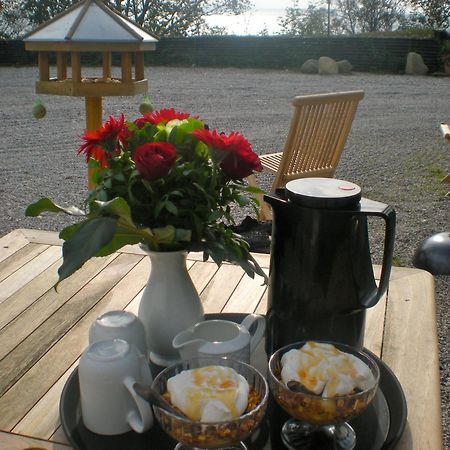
<point x="250" y="23"/>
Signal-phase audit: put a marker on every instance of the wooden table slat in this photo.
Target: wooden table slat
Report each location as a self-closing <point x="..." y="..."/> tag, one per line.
<point x="247" y="295"/>
<point x="201" y="274"/>
<point x="25" y="297"/>
<point x="51" y="328"/>
<point x="43" y="419"/>
<point x="89" y="303"/>
<point x="262" y="305"/>
<point x="216" y="294"/>
<point x="373" y="335"/>
<point x="410" y="350"/>
<point x="26" y="273"/>
<point x="17" y="442"/>
<point x="11" y="243"/>
<point x="20" y="258"/>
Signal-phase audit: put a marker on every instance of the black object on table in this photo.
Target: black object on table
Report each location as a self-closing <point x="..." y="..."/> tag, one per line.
<point x="433" y="254"/>
<point x="379" y="427"/>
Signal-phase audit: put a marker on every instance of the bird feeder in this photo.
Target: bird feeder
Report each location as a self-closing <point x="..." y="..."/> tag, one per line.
<point x="90" y="27"/>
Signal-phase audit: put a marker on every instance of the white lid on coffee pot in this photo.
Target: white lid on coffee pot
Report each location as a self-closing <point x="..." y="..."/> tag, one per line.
<point x="323" y="193"/>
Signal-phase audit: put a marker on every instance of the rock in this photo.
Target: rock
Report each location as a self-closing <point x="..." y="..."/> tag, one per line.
<point x="415" y="65"/>
<point x="328" y="66"/>
<point x="310" y="66"/>
<point x="345" y="66"/>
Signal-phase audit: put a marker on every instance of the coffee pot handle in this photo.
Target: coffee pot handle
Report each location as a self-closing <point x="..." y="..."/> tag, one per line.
<point x="387" y="212"/>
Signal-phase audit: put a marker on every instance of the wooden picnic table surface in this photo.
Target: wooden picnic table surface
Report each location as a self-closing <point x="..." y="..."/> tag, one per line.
<point x="43" y="332"/>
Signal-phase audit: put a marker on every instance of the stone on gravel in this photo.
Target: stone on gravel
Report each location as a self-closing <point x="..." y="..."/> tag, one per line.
<point x="345" y="66"/>
<point x="415" y="64"/>
<point x="328" y="66"/>
<point x="310" y="66"/>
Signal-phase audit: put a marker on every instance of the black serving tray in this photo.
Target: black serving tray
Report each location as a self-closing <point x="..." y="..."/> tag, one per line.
<point x="379" y="427"/>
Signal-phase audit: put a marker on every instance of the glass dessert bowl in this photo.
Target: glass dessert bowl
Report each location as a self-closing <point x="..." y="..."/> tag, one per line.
<point x="321" y="385"/>
<point x="215" y="429"/>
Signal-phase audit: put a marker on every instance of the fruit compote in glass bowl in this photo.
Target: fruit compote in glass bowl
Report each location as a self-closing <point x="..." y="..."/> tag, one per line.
<point x="228" y="433"/>
<point x="319" y="400"/>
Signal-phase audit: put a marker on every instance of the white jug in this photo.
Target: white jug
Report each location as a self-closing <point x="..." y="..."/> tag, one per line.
<point x="221" y="338"/>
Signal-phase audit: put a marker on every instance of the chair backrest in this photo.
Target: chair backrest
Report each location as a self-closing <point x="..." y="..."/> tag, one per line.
<point x="317" y="135"/>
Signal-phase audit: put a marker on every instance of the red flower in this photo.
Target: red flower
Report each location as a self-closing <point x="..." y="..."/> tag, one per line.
<point x="154" y="159"/>
<point x="240" y="160"/>
<point x="162" y="116"/>
<point x="106" y="140"/>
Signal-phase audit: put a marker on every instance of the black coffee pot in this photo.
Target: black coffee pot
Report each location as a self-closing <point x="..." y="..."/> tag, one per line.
<point x="321" y="279"/>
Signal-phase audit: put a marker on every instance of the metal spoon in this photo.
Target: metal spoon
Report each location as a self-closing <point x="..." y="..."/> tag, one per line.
<point x="154" y="397"/>
<point x="296" y="386"/>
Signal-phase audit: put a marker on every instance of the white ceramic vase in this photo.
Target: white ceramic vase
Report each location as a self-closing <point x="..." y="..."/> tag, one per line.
<point x="169" y="304"/>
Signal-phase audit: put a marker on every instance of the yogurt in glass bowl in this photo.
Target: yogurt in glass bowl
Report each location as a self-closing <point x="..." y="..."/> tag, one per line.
<point x="322" y="385"/>
<point x="221" y="402"/>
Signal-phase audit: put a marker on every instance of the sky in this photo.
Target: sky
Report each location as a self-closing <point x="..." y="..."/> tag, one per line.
<point x="269" y="4"/>
<point x="263" y="15"/>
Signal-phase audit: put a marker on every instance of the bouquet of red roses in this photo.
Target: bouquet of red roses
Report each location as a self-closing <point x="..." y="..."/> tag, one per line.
<point x="165" y="181"/>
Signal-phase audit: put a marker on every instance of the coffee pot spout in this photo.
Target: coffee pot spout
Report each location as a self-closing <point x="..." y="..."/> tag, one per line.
<point x="277" y="199"/>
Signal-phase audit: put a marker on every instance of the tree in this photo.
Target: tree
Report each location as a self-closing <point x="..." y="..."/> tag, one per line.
<point x="312" y="21"/>
<point x="12" y="23"/>
<point x="365" y="16"/>
<point x="39" y="11"/>
<point x="158" y="17"/>
<point x="177" y="17"/>
<point x="433" y="13"/>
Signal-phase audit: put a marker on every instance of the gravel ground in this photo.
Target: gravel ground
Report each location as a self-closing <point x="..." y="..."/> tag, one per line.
<point x="394" y="152"/>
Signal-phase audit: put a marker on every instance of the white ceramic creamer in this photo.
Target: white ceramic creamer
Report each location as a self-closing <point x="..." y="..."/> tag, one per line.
<point x="221" y="338"/>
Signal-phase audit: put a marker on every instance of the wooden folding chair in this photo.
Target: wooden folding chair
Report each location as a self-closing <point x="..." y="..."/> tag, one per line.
<point x="445" y="130"/>
<point x="318" y="133"/>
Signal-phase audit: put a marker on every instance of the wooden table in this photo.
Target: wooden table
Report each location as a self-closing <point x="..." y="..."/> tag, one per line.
<point x="43" y="332"/>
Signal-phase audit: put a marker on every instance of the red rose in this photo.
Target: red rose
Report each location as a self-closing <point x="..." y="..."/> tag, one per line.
<point x="240" y="160"/>
<point x="105" y="140"/>
<point x="154" y="159"/>
<point x="162" y="116"/>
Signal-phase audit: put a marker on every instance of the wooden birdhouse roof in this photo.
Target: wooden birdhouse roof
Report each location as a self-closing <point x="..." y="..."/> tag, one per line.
<point x="89" y="25"/>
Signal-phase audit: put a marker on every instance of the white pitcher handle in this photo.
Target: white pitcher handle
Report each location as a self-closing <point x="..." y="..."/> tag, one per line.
<point x="142" y="419"/>
<point x="259" y="330"/>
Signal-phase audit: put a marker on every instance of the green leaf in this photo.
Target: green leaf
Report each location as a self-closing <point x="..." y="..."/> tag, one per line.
<point x="119" y="177"/>
<point x="183" y="235"/>
<point x="85" y="243"/>
<point x="171" y="207"/>
<point x="253" y="190"/>
<point x="165" y="235"/>
<point x="116" y="207"/>
<point x="169" y="235"/>
<point x="124" y="236"/>
<point x="215" y="215"/>
<point x="242" y="200"/>
<point x="66" y="232"/>
<point x="199" y="187"/>
<point x="93" y="164"/>
<point x="158" y="208"/>
<point x="47" y="205"/>
<point x="180" y="133"/>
